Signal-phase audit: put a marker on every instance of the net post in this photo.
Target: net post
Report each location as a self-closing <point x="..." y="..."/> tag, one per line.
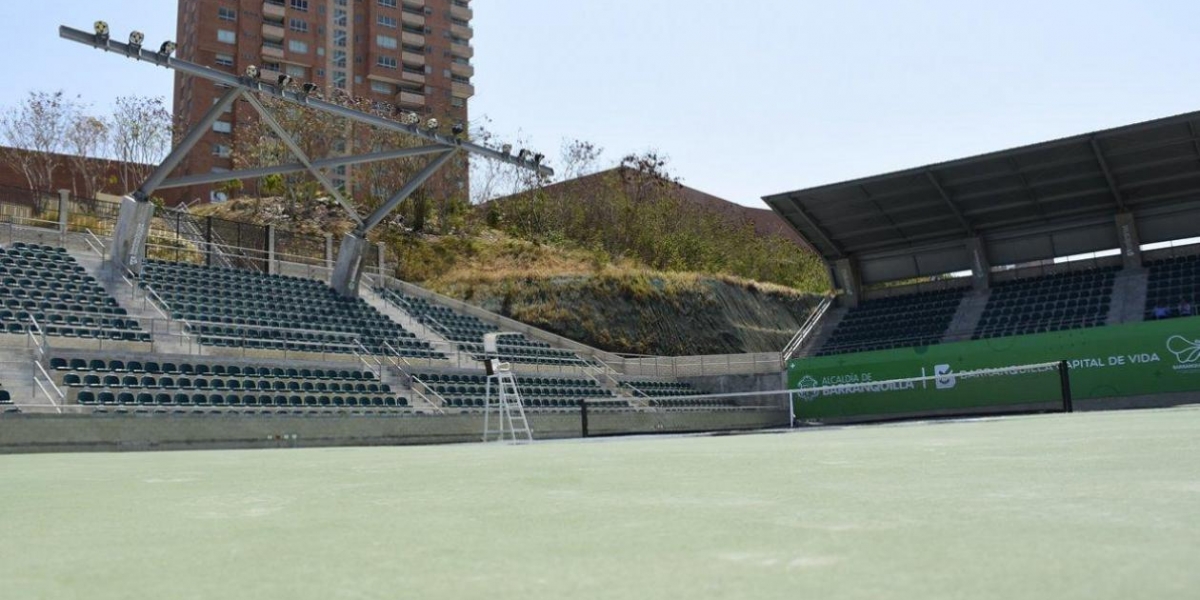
<point x="583" y="418"/>
<point x="1064" y="377"/>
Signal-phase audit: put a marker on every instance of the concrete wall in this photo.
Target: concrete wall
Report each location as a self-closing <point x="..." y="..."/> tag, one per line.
<point x="125" y="432"/>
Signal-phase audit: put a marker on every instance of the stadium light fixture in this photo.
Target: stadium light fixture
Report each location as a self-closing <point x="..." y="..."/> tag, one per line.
<point x="538" y="158"/>
<point x="309" y="88"/>
<point x="458" y="129"/>
<point x="166" y="49"/>
<point x="101" y="29"/>
<point x="431" y="124"/>
<point x="523" y="155"/>
<point x="252" y="73"/>
<point x="135" y="41"/>
<point x="506" y="148"/>
<point x="284" y="80"/>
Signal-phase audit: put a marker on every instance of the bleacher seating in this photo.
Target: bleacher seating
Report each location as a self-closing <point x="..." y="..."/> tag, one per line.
<point x="191" y="385"/>
<point x="46" y="285"/>
<point x="469" y="391"/>
<point x="238" y="308"/>
<point x="467" y="332"/>
<point x="1173" y="287"/>
<point x="696" y="403"/>
<point x="919" y="319"/>
<point x="660" y="389"/>
<point x="1058" y="302"/>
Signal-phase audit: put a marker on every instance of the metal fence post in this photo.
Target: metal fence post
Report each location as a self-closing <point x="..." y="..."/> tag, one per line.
<point x="64" y="211"/>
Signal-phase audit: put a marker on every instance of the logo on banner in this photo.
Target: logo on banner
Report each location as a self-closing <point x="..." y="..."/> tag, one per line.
<point x="1186" y="351"/>
<point x="945" y="379"/>
<point x="807" y="383"/>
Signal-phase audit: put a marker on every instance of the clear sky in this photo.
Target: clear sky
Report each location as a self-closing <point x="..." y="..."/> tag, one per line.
<point x="750" y="97"/>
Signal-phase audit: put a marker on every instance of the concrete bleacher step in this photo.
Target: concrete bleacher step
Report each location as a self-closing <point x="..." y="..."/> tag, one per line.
<point x="824" y="330"/>
<point x="1129" y="296"/>
<point x="168" y="339"/>
<point x="16" y="377"/>
<point x="967" y="317"/>
<point x="402" y="386"/>
<point x="405" y="320"/>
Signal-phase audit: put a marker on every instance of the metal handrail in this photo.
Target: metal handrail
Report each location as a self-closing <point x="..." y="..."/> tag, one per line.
<point x="441" y="400"/>
<point x="810" y="325"/>
<point x="98" y="246"/>
<point x="42" y="345"/>
<point x="57" y="391"/>
<point x="377" y="369"/>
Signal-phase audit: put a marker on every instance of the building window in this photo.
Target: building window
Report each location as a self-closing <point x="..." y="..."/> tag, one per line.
<point x="339" y="80"/>
<point x="382" y="87"/>
<point x="222" y="127"/>
<point x="298" y="47"/>
<point x="227" y="14"/>
<point x="225" y="60"/>
<point x="388" y="3"/>
<point x="226" y="36"/>
<point x="298" y="25"/>
<point x="386" y="41"/>
<point x="339" y="59"/>
<point x="300" y="5"/>
<point x="339" y="17"/>
<point x="339" y="38"/>
<point x="297" y="71"/>
<point x="386" y="21"/>
<point x="457" y="102"/>
<point x="220" y="150"/>
<point x="387" y="62"/>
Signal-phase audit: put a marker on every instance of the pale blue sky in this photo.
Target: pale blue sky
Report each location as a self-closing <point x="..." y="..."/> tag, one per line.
<point x="749" y="97"/>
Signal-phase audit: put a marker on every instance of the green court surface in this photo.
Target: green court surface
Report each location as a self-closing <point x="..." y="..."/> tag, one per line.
<point x="1098" y="505"/>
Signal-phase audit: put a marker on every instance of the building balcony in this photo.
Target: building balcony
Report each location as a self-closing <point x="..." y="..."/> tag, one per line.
<point x="272" y="51"/>
<point x="461" y="31"/>
<point x="462" y="70"/>
<point x="413" y="39"/>
<point x="413" y="77"/>
<point x="269" y="75"/>
<point x="461" y="50"/>
<point x="412" y="19"/>
<point x="458" y="11"/>
<point x="412" y="58"/>
<point x="413" y="3"/>
<point x="461" y="90"/>
<point x="272" y="32"/>
<point x="410" y="99"/>
<point x="273" y="12"/>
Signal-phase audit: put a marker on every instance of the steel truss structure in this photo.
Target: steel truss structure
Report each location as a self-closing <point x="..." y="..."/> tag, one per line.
<point x="136" y="211"/>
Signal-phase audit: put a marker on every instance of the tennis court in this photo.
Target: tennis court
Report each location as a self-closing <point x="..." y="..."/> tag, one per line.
<point x="1093" y="505"/>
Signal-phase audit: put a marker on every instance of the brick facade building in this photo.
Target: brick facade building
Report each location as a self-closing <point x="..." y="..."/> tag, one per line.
<point x="413" y="54"/>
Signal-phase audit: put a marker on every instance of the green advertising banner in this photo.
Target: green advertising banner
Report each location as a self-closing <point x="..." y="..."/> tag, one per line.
<point x="1134" y="359"/>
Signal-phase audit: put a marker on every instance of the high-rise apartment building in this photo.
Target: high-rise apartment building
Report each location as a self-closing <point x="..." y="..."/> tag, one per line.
<point x="415" y="54"/>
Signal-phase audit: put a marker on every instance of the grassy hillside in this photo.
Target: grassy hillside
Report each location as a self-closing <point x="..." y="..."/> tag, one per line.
<point x="616" y="306"/>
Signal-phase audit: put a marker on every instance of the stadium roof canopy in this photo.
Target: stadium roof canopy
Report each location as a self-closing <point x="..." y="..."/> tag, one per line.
<point x="1052" y="199"/>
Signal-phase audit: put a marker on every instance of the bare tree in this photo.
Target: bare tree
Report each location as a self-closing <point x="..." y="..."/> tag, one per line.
<point x="579" y="158"/>
<point x="87" y="141"/>
<point x="33" y="134"/>
<point x="141" y="137"/>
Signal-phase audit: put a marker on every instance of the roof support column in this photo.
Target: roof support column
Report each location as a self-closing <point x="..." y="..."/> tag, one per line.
<point x="846" y="279"/>
<point x="1127" y="235"/>
<point x="347" y="271"/>
<point x="981" y="267"/>
<point x="130" y="235"/>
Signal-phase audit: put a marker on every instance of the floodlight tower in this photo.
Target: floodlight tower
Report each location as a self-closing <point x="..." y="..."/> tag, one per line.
<point x="133" y="222"/>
